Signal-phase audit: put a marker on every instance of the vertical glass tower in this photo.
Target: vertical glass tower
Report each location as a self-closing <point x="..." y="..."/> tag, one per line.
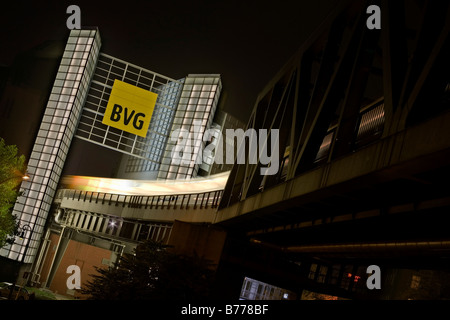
<point x="194" y="115"/>
<point x="52" y="143"/>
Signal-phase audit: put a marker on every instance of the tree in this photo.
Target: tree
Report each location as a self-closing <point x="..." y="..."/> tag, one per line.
<point x="12" y="168"/>
<point x="152" y="273"/>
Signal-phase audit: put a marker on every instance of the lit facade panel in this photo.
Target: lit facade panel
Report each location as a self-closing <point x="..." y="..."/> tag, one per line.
<point x="257" y="290"/>
<point x="76" y="107"/>
<point x="52" y="143"/>
<point x="196" y="108"/>
<point x="159" y="131"/>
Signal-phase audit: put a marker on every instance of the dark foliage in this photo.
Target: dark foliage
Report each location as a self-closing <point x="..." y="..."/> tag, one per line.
<point x="152" y="273"/>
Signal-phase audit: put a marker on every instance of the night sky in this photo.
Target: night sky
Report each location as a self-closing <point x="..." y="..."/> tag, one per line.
<point x="246" y="42"/>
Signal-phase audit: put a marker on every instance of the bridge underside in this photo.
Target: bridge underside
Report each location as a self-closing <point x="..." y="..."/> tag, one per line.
<point x="401" y="220"/>
<point x="394" y="218"/>
<point x="391" y="212"/>
<point x="364" y="154"/>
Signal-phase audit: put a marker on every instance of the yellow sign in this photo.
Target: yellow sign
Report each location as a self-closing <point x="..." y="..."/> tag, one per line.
<point x="129" y="108"/>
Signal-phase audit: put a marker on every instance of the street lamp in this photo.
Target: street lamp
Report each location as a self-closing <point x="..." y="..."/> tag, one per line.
<point x="24" y="177"/>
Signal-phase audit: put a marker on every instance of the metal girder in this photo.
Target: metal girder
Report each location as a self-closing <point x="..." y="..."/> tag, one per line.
<point x="436" y="50"/>
<point x="276" y="111"/>
<point x="320" y="106"/>
<point x="326" y="86"/>
<point x="394" y="56"/>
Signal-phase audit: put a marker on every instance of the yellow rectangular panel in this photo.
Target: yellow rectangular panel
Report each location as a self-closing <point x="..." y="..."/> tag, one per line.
<point x="129" y="108"/>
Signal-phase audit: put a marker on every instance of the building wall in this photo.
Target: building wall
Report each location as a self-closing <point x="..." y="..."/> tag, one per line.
<point x="203" y="240"/>
<point x="86" y="257"/>
<point x="48" y="258"/>
<point x="189" y="239"/>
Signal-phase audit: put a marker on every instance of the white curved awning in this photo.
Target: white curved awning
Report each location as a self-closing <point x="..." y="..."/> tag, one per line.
<point x="145" y="187"/>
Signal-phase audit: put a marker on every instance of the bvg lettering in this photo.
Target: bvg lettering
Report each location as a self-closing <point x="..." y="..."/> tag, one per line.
<point x="116" y="115"/>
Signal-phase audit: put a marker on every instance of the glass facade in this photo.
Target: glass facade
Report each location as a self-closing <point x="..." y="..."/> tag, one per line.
<point x="52" y="143"/>
<point x="159" y="131"/>
<point x="196" y="108"/>
<point x="145" y="152"/>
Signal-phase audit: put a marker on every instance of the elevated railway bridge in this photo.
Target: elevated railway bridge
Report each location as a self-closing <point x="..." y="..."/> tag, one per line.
<point x="364" y="137"/>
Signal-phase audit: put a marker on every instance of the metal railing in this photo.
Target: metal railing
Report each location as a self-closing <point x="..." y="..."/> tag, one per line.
<point x="202" y="200"/>
<point x="102" y="225"/>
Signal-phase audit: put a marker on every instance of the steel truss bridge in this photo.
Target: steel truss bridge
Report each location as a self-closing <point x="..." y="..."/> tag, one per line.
<point x="364" y="155"/>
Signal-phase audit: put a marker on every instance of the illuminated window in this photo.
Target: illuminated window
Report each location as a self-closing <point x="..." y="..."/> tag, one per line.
<point x="415" y="282"/>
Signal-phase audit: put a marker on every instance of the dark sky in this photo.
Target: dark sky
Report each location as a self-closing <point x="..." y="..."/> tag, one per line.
<point x="246" y="42"/>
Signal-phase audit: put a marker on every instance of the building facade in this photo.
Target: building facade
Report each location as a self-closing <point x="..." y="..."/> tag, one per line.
<point x="53" y="141"/>
<point x="77" y="107"/>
